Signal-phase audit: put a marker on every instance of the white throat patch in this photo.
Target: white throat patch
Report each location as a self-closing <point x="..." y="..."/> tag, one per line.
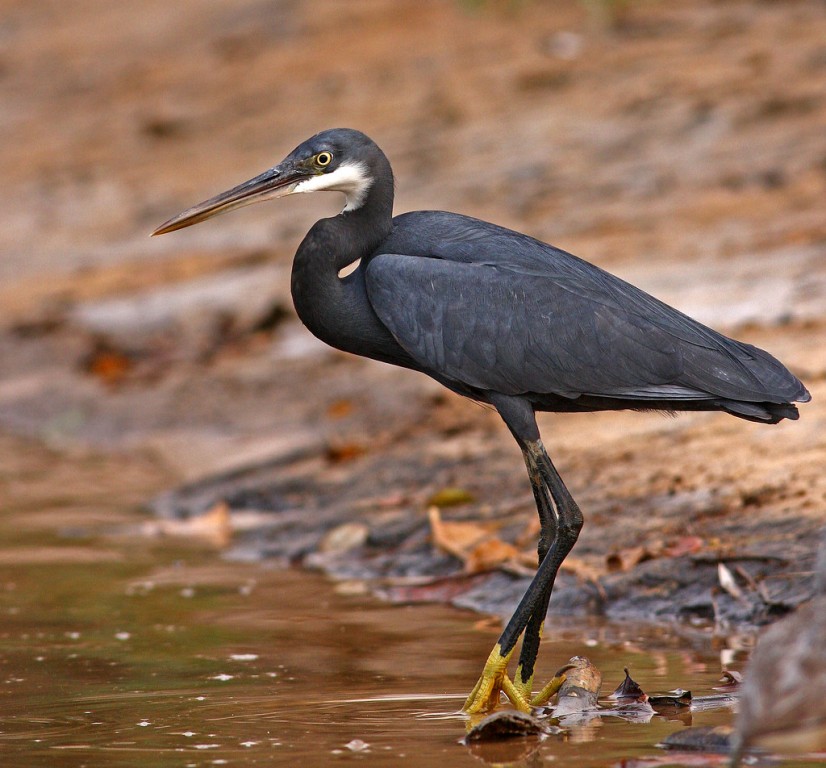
<point x="352" y="179"/>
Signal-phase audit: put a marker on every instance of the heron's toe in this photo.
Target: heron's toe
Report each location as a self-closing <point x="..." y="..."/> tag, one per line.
<point x="551" y="688"/>
<point x="494" y="680"/>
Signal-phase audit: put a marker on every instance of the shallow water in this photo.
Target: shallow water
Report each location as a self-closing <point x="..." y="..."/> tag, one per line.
<point x="119" y="649"/>
<point x="196" y="662"/>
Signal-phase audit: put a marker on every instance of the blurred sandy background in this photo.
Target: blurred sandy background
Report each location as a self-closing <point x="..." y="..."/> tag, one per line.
<point x="680" y="144"/>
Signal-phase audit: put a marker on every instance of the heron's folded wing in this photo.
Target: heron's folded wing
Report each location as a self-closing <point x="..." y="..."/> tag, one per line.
<point x="571" y="332"/>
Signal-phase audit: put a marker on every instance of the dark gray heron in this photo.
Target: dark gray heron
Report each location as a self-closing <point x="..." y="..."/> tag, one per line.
<point x="503" y="319"/>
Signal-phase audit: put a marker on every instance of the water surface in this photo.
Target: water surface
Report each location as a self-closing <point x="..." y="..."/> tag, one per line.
<point x="122" y="649"/>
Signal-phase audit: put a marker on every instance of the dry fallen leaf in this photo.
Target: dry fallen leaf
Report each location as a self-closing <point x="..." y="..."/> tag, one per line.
<point x="628" y="690"/>
<point x="344" y="452"/>
<point x="450" y="497"/>
<point x="583" y="570"/>
<point x="726" y="579"/>
<point x="480" y="549"/>
<point x="338" y="409"/>
<point x="111" y="366"/>
<point x="490" y="554"/>
<point x="457" y="538"/>
<point x="215" y="525"/>
<point x="686" y="545"/>
<point x="626" y="559"/>
<point x="475" y="544"/>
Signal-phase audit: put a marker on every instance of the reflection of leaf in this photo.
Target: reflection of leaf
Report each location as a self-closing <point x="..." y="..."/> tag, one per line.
<point x="442" y="590"/>
<point x="729" y="681"/>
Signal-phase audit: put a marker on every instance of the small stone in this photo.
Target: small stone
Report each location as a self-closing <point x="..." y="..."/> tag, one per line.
<point x="343" y="538"/>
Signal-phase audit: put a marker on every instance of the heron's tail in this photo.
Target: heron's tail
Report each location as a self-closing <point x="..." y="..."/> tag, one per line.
<point x="763" y="413"/>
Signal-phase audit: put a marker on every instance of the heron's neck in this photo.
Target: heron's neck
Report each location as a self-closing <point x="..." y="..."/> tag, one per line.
<point x="335" y="309"/>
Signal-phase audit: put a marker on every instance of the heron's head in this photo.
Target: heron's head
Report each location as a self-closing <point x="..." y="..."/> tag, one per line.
<point x="340" y="160"/>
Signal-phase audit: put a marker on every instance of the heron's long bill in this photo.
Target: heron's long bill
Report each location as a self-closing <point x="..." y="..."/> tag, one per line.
<point x="275" y="182"/>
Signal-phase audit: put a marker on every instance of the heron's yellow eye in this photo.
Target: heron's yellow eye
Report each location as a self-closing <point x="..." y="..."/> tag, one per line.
<point x="323" y="159"/>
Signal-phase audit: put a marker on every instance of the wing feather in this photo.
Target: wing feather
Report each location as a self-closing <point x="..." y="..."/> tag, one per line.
<point x="496" y="310"/>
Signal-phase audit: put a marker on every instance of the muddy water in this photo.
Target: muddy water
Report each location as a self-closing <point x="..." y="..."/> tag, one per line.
<point x="119" y="648"/>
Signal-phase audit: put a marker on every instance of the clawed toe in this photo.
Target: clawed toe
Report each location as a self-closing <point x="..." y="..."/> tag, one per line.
<point x="494" y="680"/>
<point x="485" y="696"/>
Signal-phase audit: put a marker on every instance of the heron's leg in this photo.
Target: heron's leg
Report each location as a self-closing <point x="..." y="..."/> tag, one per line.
<point x="485" y="694"/>
<point x="523" y="678"/>
<point x="559" y="532"/>
<point x="559" y="515"/>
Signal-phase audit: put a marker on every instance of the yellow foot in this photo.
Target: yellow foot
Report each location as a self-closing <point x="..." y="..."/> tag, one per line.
<point x="554" y="684"/>
<point x="485" y="694"/>
<point x="523" y="686"/>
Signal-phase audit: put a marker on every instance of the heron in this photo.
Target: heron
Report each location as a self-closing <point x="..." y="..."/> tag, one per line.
<point x="506" y="320"/>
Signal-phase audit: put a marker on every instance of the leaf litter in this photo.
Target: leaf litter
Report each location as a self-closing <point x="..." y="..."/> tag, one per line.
<point x="578" y="704"/>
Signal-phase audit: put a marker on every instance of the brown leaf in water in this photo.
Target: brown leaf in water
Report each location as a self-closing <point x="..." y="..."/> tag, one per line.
<point x="676" y="699"/>
<point x="628" y="690"/>
<point x="582" y="673"/>
<point x="505" y="724"/>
